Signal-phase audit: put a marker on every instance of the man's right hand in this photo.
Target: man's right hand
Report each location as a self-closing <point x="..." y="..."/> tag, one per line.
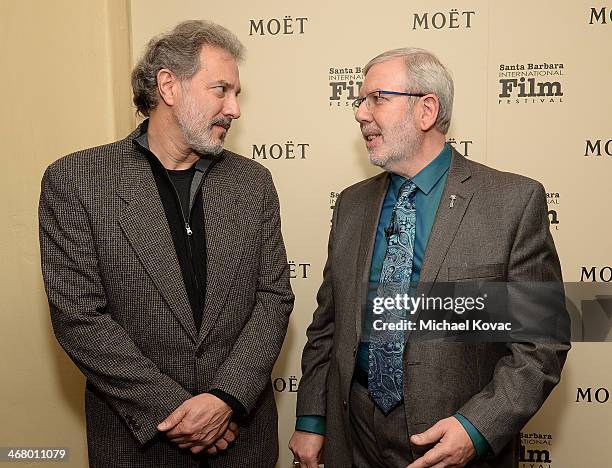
<point x="307" y="448"/>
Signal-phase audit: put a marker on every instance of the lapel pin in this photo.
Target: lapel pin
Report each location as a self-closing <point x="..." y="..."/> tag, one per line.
<point x="452" y="200"/>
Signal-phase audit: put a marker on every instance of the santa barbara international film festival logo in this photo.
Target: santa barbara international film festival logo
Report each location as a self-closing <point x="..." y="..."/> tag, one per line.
<point x="553" y="199"/>
<point x="535" y="451"/>
<point x="530" y="83"/>
<point x="333" y="196"/>
<point x="344" y="84"/>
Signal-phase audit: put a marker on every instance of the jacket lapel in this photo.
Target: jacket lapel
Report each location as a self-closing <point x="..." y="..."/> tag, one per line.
<point x="225" y="232"/>
<point x="369" y="222"/>
<point x="447" y="221"/>
<point x="143" y="221"/>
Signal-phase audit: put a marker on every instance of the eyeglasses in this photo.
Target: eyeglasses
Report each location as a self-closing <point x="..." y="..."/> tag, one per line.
<point x="377" y="98"/>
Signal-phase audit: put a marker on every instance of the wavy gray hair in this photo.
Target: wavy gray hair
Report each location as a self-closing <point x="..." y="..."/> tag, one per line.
<point x="179" y="52"/>
<point x="426" y="74"/>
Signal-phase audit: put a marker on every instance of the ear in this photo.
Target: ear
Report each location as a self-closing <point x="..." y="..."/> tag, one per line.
<point x="167" y="86"/>
<point x="427" y="112"/>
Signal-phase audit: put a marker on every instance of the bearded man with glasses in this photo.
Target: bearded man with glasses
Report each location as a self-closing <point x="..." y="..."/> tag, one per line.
<point x="369" y="396"/>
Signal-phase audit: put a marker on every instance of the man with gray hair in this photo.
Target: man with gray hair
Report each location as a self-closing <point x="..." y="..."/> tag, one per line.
<point x="368" y="394"/>
<point x="164" y="266"/>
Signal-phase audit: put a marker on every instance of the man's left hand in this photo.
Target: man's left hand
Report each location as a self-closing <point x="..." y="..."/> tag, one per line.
<point x="199" y="421"/>
<point x="454" y="447"/>
<point x="222" y="442"/>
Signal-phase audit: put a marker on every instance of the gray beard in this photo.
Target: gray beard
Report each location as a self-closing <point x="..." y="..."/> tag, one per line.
<point x="385" y="160"/>
<point x="200" y="141"/>
<point x="198" y="138"/>
<point x="395" y="156"/>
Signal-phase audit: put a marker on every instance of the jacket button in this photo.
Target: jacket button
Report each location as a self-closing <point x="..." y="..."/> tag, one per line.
<point x="354" y="351"/>
<point x="344" y="404"/>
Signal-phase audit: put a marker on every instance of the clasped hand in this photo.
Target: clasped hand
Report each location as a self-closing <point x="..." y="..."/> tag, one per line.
<point x="201" y="423"/>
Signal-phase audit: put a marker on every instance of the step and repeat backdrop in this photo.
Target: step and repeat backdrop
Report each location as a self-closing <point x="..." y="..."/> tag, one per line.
<point x="532" y="96"/>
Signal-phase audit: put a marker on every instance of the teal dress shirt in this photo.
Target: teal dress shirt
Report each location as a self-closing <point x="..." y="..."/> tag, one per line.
<point x="430" y="182"/>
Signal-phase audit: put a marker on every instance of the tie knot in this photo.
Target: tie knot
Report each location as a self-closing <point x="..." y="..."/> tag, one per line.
<point x="408" y="189"/>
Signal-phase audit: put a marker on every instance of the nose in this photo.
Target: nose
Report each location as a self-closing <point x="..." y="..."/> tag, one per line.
<point x="232" y="108"/>
<point x="363" y="114"/>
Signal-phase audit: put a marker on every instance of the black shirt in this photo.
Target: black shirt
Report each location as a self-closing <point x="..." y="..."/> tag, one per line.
<point x="187" y="226"/>
<point x="187" y="229"/>
<point x="182" y="182"/>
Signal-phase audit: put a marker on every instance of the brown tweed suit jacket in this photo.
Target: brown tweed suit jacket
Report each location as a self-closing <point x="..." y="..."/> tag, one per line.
<point x="497" y="230"/>
<point x="120" y="309"/>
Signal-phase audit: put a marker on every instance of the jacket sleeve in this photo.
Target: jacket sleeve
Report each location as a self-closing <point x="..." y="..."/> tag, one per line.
<point x="246" y="371"/>
<point x="129" y="382"/>
<point x="523" y="379"/>
<point x="312" y="393"/>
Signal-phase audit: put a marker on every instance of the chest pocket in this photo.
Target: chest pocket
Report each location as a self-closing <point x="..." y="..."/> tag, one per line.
<point x="486" y="271"/>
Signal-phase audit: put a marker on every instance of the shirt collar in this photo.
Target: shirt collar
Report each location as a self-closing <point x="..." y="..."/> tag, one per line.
<point x="428" y="177"/>
<point x="141" y="139"/>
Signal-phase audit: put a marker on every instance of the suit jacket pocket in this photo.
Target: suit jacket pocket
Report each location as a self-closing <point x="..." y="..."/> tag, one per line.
<point x="490" y="270"/>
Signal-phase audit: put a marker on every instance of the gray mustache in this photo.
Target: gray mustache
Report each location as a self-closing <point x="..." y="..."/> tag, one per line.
<point x="223" y="122"/>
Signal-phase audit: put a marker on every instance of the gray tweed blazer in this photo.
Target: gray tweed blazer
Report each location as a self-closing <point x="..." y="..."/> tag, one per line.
<point x="120" y="310"/>
<point x="497" y="230"/>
